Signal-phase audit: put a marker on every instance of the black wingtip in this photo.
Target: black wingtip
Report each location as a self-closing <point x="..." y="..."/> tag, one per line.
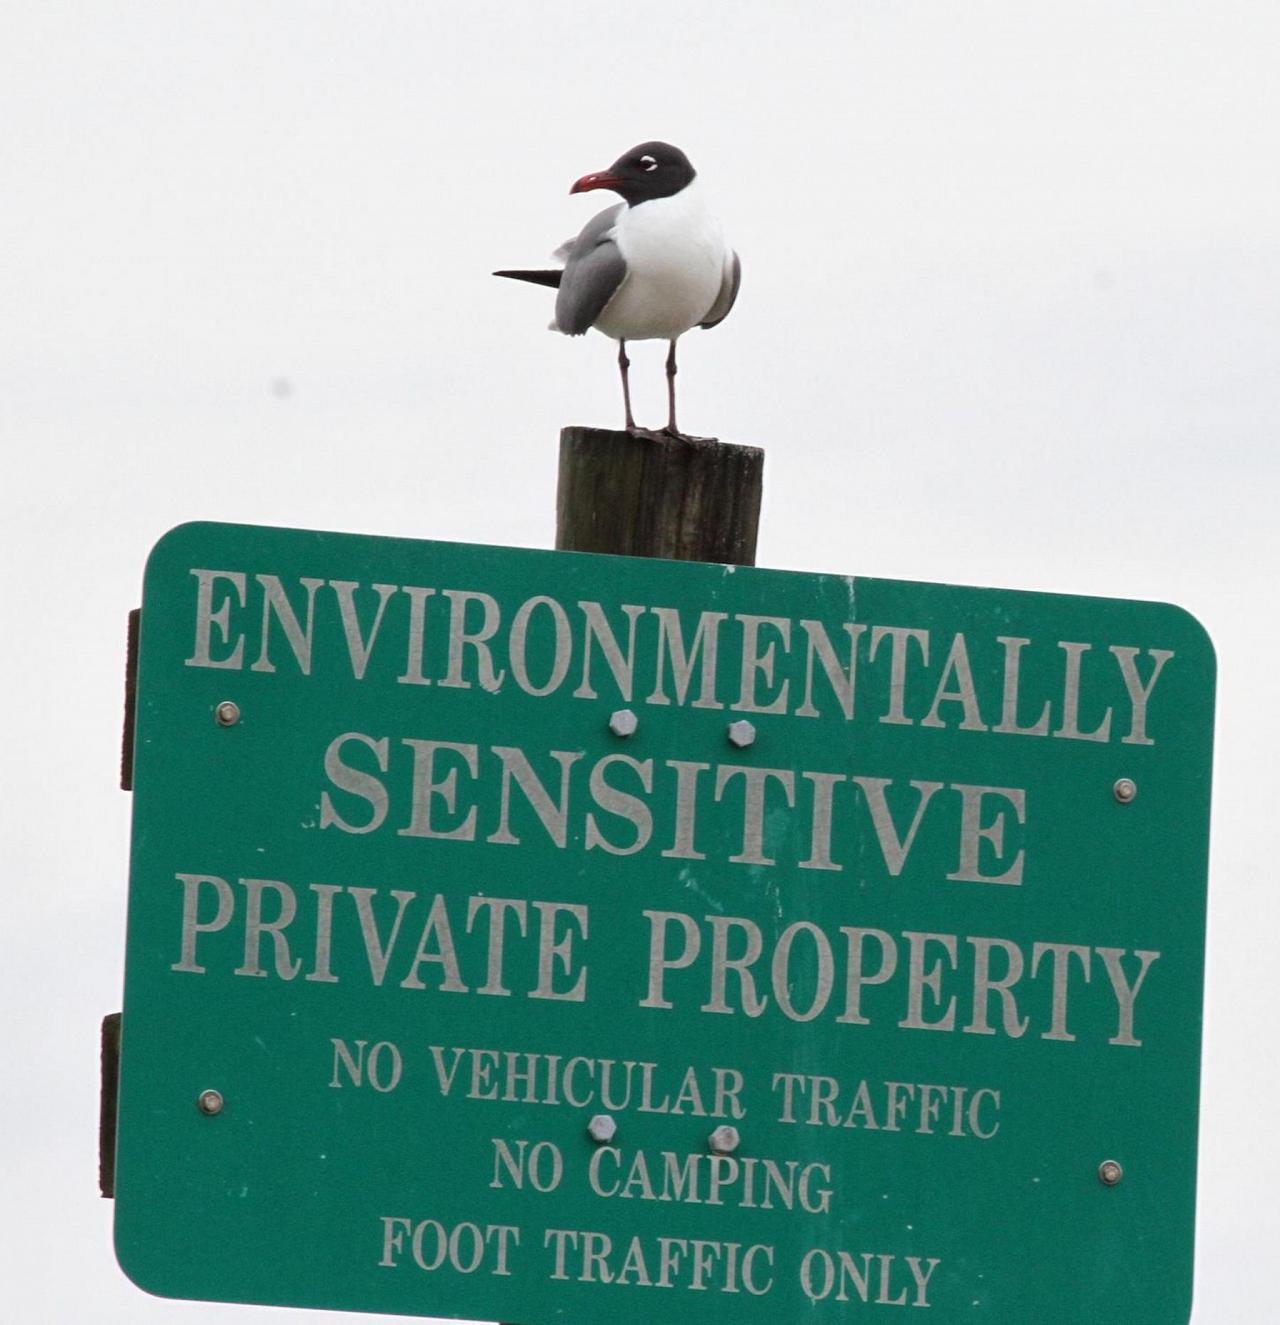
<point x="549" y="278"/>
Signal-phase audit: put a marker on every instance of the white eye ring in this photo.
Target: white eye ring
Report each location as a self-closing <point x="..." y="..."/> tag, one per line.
<point x="648" y="163"/>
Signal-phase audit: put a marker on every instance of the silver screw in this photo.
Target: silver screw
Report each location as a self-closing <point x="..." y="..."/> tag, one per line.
<point x="602" y="1129"/>
<point x="623" y="723"/>
<point x="209" y="1102"/>
<point x="1110" y="1173"/>
<point x="227" y="714"/>
<point x="724" y="1140"/>
<point x="742" y="733"/>
<point x="1125" y="790"/>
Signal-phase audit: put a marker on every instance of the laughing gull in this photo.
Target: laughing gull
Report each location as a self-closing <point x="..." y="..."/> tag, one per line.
<point x="647" y="268"/>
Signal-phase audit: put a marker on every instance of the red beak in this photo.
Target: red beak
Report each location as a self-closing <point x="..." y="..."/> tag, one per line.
<point x="600" y="180"/>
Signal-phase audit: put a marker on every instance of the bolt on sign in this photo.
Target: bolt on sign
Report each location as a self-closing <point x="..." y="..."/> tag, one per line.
<point x="543" y="937"/>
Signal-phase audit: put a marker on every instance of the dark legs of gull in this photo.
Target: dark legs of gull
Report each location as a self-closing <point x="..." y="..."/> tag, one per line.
<point x="671" y="390"/>
<point x="623" y="364"/>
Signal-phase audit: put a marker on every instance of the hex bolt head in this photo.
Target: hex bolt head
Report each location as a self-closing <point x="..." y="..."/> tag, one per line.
<point x="209" y="1102"/>
<point x="742" y="733"/>
<point x="227" y="714"/>
<point x="602" y="1129"/>
<point x="622" y="722"/>
<point x="1125" y="790"/>
<point x="1110" y="1173"/>
<point x="724" y="1140"/>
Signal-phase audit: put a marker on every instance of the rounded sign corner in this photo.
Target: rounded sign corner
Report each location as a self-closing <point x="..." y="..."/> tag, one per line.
<point x="137" y="1272"/>
<point x="1196" y="630"/>
<point x="175" y="537"/>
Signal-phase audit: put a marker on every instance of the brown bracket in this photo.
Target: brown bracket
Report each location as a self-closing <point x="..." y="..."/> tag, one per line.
<point x="108" y="1100"/>
<point x="108" y="1104"/>
<point x="130" y="701"/>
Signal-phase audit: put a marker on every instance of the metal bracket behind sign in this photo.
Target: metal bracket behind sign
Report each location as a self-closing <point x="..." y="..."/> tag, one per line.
<point x="130" y="701"/>
<point x="108" y="1100"/>
<point x="108" y="1104"/>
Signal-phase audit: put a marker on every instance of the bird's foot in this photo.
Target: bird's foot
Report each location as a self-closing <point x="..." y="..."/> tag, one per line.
<point x="679" y="436"/>
<point x="674" y="434"/>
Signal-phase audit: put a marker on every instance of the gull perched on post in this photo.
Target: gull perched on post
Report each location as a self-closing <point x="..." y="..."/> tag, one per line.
<point x="648" y="268"/>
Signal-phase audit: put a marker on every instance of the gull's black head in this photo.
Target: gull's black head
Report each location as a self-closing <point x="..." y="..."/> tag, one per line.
<point x="652" y="170"/>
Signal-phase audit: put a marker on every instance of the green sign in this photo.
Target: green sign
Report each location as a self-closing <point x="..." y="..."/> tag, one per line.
<point x="539" y="937"/>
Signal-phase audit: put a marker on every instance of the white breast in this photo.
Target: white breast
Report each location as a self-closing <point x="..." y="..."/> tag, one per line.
<point x="675" y="256"/>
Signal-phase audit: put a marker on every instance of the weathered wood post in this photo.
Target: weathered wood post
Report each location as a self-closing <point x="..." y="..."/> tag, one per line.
<point x="655" y="495"/>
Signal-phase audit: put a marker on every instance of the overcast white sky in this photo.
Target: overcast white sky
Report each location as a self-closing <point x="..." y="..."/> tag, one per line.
<point x="1010" y="315"/>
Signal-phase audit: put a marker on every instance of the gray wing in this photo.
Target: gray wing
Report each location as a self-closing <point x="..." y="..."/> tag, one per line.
<point x="592" y="273"/>
<point x="728" y="294"/>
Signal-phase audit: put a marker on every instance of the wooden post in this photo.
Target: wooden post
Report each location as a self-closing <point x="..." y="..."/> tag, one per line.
<point x="654" y="495"/>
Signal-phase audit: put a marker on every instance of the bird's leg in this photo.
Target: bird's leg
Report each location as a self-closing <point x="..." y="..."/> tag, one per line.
<point x="671" y="390"/>
<point x="623" y="364"/>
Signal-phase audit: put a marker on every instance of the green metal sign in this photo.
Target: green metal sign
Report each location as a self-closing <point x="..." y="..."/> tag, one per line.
<point x="544" y="937"/>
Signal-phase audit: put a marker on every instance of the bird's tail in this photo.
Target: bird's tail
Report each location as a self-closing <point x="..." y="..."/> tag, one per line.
<point x="551" y="277"/>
